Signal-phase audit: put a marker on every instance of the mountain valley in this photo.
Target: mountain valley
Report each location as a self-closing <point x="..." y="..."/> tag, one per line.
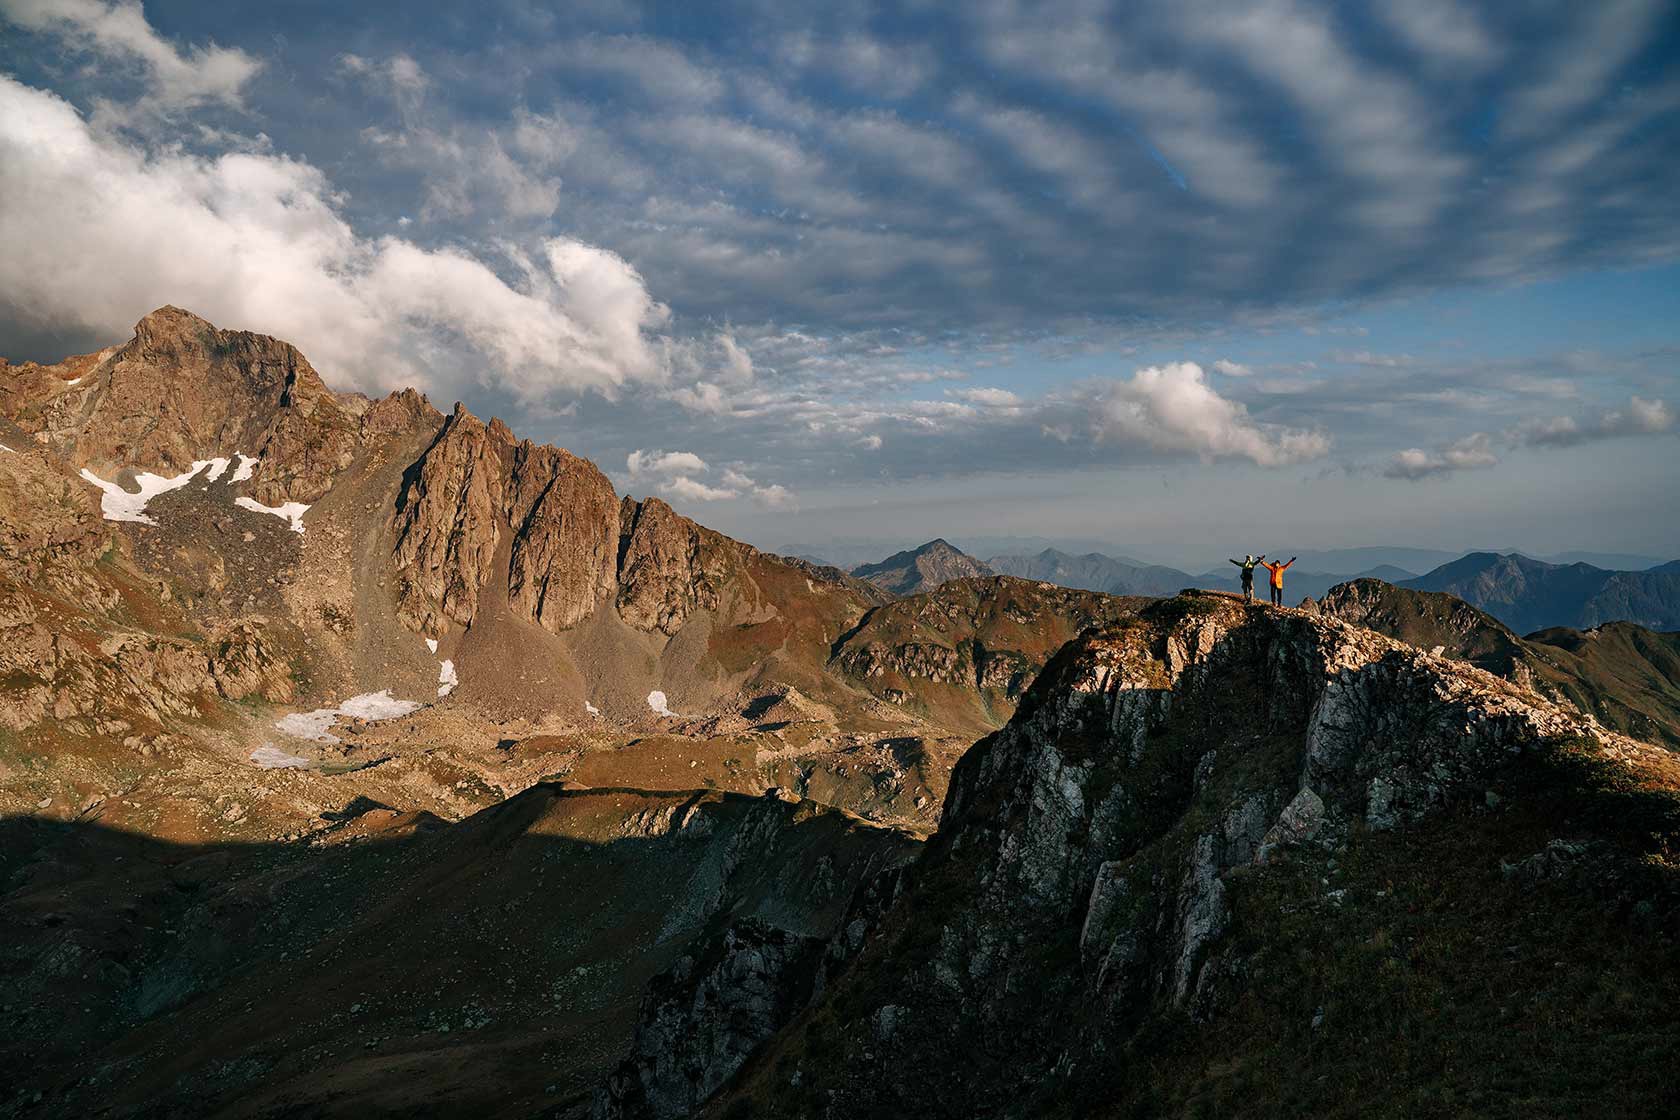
<point x="361" y="758"/>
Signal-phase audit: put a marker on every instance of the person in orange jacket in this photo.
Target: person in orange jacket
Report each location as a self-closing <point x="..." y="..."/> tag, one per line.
<point x="1277" y="578"/>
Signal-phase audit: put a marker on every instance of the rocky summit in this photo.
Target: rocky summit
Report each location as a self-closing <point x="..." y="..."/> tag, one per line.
<point x="359" y="758"/>
<point x="922" y="569"/>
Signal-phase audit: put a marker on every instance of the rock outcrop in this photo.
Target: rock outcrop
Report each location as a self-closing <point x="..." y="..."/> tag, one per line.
<point x="985" y="638"/>
<point x="1082" y="881"/>
<point x="474" y="485"/>
<point x="669" y="567"/>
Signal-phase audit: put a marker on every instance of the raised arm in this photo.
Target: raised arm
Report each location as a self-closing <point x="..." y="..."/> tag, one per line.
<point x="1292" y="560"/>
<point x="1238" y="563"/>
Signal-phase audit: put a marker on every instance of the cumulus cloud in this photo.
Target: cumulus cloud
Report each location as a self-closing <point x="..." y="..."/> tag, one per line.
<point x="118" y="32"/>
<point x="672" y="473"/>
<point x="1641" y="417"/>
<point x="1472" y="452"/>
<point x="644" y="464"/>
<point x="1172" y="408"/>
<point x="100" y="230"/>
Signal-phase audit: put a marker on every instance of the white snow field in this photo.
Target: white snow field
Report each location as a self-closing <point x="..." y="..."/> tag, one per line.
<point x="656" y="701"/>
<point x="447" y="680"/>
<point x="117" y="504"/>
<point x="369" y="706"/>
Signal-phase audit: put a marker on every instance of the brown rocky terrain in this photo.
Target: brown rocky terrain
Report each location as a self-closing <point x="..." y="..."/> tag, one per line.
<point x="151" y="657"/>
<point x="356" y="759"/>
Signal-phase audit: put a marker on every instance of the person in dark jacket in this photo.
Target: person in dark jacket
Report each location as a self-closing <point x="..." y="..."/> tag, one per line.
<point x="1247" y="564"/>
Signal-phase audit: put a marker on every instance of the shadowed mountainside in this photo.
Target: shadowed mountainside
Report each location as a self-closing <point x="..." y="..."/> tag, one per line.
<point x="1255" y="862"/>
<point x="392" y="964"/>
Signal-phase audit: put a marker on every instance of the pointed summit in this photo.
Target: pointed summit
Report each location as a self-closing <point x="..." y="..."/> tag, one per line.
<point x="922" y="569"/>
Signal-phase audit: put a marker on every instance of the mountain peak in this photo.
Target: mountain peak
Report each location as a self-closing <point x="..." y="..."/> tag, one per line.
<point x="922" y="569"/>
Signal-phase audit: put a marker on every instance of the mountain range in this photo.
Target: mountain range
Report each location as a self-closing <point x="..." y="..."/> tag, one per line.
<point x="1530" y="594"/>
<point x="1524" y="593"/>
<point x="359" y="758"/>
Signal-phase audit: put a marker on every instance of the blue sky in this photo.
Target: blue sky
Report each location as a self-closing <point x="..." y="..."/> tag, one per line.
<point x="1178" y="276"/>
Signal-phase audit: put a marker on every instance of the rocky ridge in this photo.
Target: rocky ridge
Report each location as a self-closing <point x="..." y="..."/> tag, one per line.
<point x="1092" y="855"/>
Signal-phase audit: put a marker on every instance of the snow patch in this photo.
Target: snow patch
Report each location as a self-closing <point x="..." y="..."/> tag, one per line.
<point x="431" y="644"/>
<point x="247" y="467"/>
<point x="75" y="381"/>
<point x="117" y="504"/>
<point x="447" y="680"/>
<point x="217" y="467"/>
<point x="656" y="701"/>
<point x="290" y="511"/>
<point x="3" y="447"/>
<point x="270" y="757"/>
<point x="591" y="709"/>
<point x="378" y="705"/>
<point x="369" y="706"/>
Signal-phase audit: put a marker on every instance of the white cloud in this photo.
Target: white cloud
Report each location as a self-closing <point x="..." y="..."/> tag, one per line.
<point x="465" y="169"/>
<point x="1172" y="408"/>
<point x="100" y="231"/>
<point x="737" y="363"/>
<point x="986" y="397"/>
<point x="682" y="486"/>
<point x="1443" y="31"/>
<point x="119" y="32"/>
<point x="1232" y="369"/>
<point x="1367" y="358"/>
<point x="870" y="443"/>
<point x="672" y="473"/>
<point x="1640" y="417"/>
<point x="644" y="464"/>
<point x="1472" y="452"/>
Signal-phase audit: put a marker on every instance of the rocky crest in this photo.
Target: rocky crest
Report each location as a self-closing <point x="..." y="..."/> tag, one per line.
<point x="477" y="483"/>
<point x="1083" y="873"/>
<point x="180" y="391"/>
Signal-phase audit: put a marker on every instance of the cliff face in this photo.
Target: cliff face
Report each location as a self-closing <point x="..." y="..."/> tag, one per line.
<point x="669" y="567"/>
<point x="472" y="486"/>
<point x="1104" y="862"/>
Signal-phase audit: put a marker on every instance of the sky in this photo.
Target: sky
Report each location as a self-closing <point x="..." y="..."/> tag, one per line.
<point x="1185" y="278"/>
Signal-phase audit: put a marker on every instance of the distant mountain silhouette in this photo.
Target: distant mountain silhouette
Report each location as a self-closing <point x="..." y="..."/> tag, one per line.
<point x="1528" y="594"/>
<point x="921" y="569"/>
<point x="1114" y="575"/>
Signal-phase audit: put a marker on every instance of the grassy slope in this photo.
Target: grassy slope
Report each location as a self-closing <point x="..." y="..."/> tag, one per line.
<point x="1440" y="985"/>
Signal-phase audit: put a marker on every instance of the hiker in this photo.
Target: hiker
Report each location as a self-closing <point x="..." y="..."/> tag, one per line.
<point x="1277" y="579"/>
<point x="1247" y="565"/>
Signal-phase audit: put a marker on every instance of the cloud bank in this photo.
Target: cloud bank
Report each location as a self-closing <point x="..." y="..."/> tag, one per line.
<point x="99" y="229"/>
